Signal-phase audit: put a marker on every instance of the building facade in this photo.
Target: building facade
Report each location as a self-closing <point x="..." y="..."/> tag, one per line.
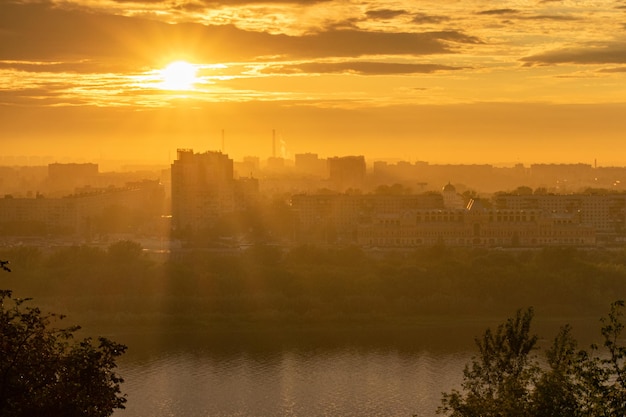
<point x="202" y="189"/>
<point x="402" y="221"/>
<point x="84" y="213"/>
<point x="604" y="212"/>
<point x="347" y="172"/>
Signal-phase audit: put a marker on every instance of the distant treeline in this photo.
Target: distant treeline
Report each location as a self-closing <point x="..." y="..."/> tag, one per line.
<point x="313" y="283"/>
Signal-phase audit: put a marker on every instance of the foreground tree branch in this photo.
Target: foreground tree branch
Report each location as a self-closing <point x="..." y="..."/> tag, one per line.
<point x="44" y="372"/>
<point x="505" y="380"/>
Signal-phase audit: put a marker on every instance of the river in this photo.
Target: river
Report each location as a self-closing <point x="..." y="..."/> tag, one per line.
<point x="341" y="372"/>
<point x="344" y="382"/>
<point x="272" y="372"/>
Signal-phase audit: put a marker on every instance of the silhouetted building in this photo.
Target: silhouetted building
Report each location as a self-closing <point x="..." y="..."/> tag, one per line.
<point x="61" y="172"/>
<point x="64" y="178"/>
<point x="451" y="199"/>
<point x="562" y="177"/>
<point x="247" y="168"/>
<point x="246" y="192"/>
<point x="311" y="164"/>
<point x="347" y="172"/>
<point x="477" y="225"/>
<point x="275" y="164"/>
<point x="402" y="221"/>
<point x="335" y="218"/>
<point x="604" y="212"/>
<point x="202" y="189"/>
<point x="89" y="213"/>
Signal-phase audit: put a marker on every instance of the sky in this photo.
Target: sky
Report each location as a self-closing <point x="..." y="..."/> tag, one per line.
<point x="446" y="81"/>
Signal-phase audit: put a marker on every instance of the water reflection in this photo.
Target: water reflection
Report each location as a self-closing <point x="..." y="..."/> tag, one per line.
<point x="290" y="383"/>
<point x="269" y="373"/>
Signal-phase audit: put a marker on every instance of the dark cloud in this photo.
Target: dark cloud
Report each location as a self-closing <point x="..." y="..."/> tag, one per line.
<point x="549" y="17"/>
<point x="251" y="2"/>
<point x="42" y="33"/>
<point x="422" y="18"/>
<point x="362" y="68"/>
<point x="614" y="53"/>
<point x="358" y="43"/>
<point x="217" y="4"/>
<point x="385" y="13"/>
<point x="345" y="24"/>
<point x="144" y="1"/>
<point x="79" y="67"/>
<point x="516" y="14"/>
<point x="39" y="33"/>
<point x="498" y="12"/>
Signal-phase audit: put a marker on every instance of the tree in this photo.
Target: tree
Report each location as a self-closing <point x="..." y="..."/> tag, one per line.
<point x="45" y="372"/>
<point x="603" y="375"/>
<point x="505" y="381"/>
<point x="498" y="380"/>
<point x="557" y="391"/>
<point x="523" y="190"/>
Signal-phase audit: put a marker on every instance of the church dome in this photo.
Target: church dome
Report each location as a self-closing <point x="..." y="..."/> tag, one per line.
<point x="449" y="188"/>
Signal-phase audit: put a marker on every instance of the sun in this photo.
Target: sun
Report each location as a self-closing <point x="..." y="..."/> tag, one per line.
<point x="179" y="75"/>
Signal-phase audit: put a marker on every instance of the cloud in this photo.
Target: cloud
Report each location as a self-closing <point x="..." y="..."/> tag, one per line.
<point x="361" y="68"/>
<point x="28" y="95"/>
<point x="385" y="13"/>
<point x="612" y="53"/>
<point x="423" y="18"/>
<point x="612" y="70"/>
<point x="79" y="67"/>
<point x="213" y="3"/>
<point x="498" y="12"/>
<point x="517" y="14"/>
<point x="356" y="43"/>
<point x="550" y="17"/>
<point x="41" y="33"/>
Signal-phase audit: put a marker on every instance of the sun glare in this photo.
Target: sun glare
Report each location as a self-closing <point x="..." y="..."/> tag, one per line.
<point x="179" y="75"/>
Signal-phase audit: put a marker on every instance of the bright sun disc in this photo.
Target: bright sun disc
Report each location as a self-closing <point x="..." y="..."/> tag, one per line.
<point x="179" y="75"/>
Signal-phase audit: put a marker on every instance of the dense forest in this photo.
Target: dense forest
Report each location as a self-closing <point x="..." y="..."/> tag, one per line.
<point x="267" y="283"/>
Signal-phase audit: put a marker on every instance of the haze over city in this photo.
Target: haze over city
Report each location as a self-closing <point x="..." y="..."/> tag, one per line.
<point x="446" y="82"/>
<point x="312" y="207"/>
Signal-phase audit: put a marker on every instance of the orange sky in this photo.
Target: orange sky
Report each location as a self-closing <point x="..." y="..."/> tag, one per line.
<point x="442" y="81"/>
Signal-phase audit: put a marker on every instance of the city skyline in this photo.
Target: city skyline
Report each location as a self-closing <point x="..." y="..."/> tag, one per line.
<point x="121" y="164"/>
<point x="451" y="82"/>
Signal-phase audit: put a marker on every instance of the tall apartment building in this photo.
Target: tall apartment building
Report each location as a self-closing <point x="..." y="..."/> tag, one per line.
<point x="347" y="172"/>
<point x="202" y="189"/>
